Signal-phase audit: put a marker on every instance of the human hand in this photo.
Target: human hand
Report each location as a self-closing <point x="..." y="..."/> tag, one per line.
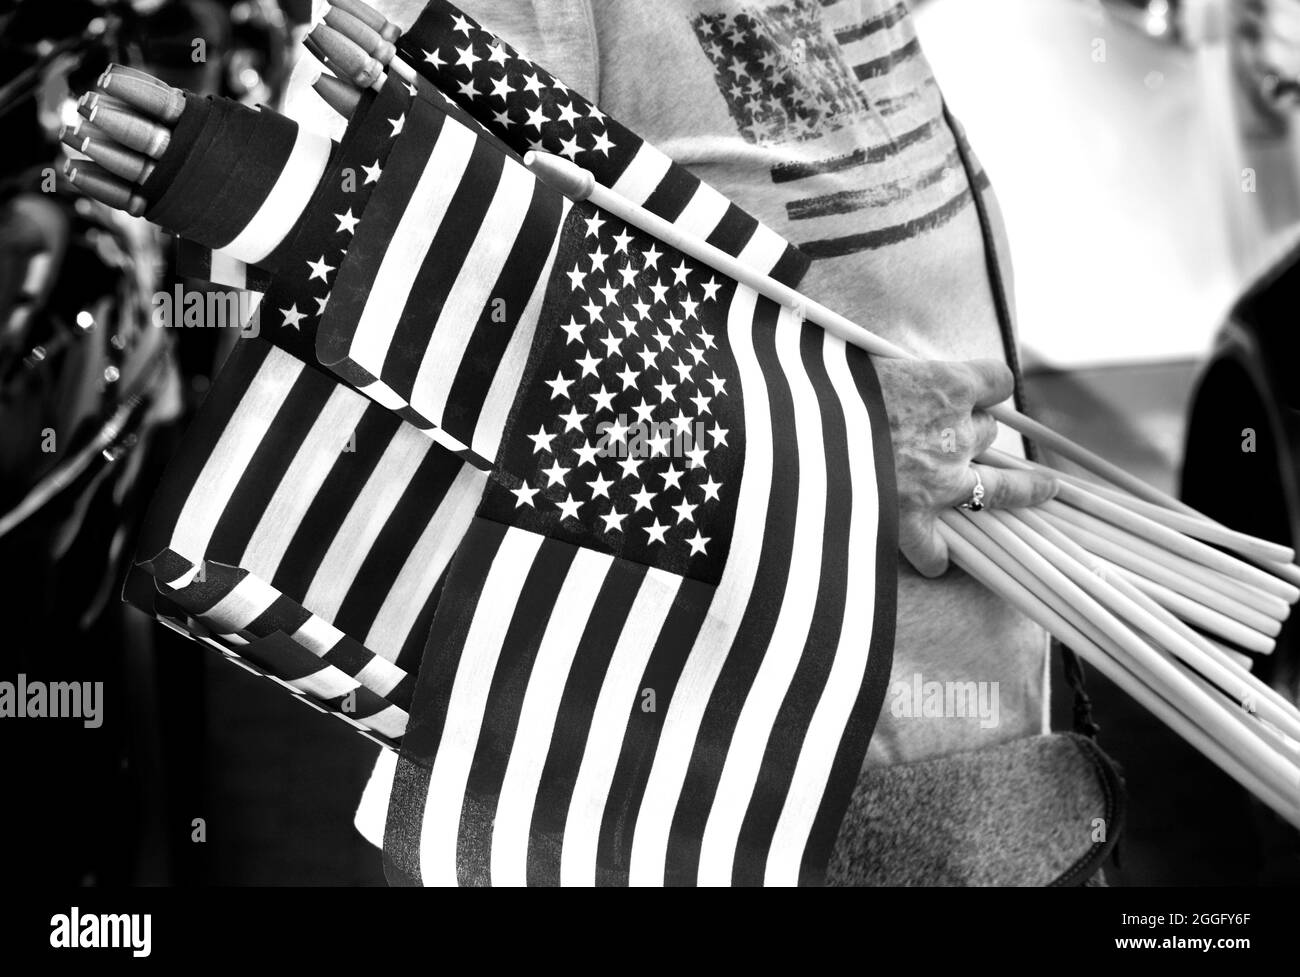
<point x="938" y="424"/>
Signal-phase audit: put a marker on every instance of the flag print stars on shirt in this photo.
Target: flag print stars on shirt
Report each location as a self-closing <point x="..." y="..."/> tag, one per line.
<point x="627" y="429"/>
<point x="513" y="96"/>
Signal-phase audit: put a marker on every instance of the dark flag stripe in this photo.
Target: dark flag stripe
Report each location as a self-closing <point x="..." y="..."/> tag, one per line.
<point x="394" y="543"/>
<point x="880" y="195"/>
<point x="837" y="247"/>
<point x="732" y="232"/>
<point x="450" y="250"/>
<point x="787" y="733"/>
<point x="860" y="717"/>
<point x="801" y="170"/>
<point x="756" y="626"/>
<point x="267" y="467"/>
<point x="672" y="194"/>
<point x="538" y="601"/>
<point x="628" y="783"/>
<point x="519" y="277"/>
<point x="581" y="691"/>
<point x="872" y="25"/>
<point x="888" y="62"/>
<point x="314" y="534"/>
<point x="355" y="278"/>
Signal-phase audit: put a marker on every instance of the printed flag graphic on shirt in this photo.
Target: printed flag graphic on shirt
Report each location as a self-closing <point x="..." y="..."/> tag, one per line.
<point x="660" y="650"/>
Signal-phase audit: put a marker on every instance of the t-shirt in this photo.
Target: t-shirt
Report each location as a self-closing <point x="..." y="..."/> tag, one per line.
<point x="824" y="120"/>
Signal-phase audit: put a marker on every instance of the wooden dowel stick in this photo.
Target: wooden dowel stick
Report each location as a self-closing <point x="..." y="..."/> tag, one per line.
<point x="1196" y="582"/>
<point x="1239" y="686"/>
<point x="981" y="566"/>
<point x="1262" y="551"/>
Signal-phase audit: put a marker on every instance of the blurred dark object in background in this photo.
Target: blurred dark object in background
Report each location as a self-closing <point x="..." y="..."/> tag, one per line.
<point x="92" y="400"/>
<point x="1242" y="467"/>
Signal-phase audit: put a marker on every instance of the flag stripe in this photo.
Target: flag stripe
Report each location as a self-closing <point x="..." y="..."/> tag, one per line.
<point x="827" y="626"/>
<point x="619" y="699"/>
<point x="408" y="808"/>
<point x="406" y="244"/>
<point x="790" y="634"/>
<point x="537" y="717"/>
<point x="429" y="330"/>
<point x="746" y="316"/>
<point x="401" y="611"/>
<point x="288" y="198"/>
<point x="661" y="675"/>
<point x="842" y="724"/>
<point x="538" y="601"/>
<point x="622" y="582"/>
<point x="475" y="667"/>
<point x="767" y="618"/>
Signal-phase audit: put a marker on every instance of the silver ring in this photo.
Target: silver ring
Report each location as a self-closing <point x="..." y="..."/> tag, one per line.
<point x="976" y="502"/>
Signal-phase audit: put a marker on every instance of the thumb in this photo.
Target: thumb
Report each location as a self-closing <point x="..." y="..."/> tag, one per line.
<point x="921" y="545"/>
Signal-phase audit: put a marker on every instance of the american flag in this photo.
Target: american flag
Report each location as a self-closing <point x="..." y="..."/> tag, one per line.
<point x="335" y="518"/>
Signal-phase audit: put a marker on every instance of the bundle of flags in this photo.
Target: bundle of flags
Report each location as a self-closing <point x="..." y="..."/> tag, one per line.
<point x="601" y="540"/>
<point x="542" y="474"/>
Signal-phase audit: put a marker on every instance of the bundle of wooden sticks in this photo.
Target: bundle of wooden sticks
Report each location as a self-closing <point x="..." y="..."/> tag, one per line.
<point x="1159" y="598"/>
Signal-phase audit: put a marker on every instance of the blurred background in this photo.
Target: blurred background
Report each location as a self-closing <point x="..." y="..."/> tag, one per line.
<point x="1147" y="161"/>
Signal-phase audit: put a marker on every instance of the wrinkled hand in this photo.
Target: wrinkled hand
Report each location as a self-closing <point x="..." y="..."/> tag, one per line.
<point x="938" y="424"/>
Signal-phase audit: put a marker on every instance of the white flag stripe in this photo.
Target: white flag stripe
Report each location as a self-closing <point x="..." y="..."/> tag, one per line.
<point x="317" y="635"/>
<point x="643" y="175"/>
<point x="764" y="249"/>
<point x="510" y="371"/>
<point x="472" y="290"/>
<point x="231" y="455"/>
<point x="790" y="633"/>
<point x="620" y="691"/>
<point x="825" y="729"/>
<point x="426" y="563"/>
<point x="391" y="722"/>
<point x="469" y="693"/>
<point x="366" y="517"/>
<point x="700" y="672"/>
<point x="286" y="201"/>
<point x="380" y="676"/>
<point x="703" y="211"/>
<point x="303" y="478"/>
<point x="239" y="608"/>
<point x="408" y="247"/>
<point x="227" y="270"/>
<point x="537" y="715"/>
<point x="328" y="683"/>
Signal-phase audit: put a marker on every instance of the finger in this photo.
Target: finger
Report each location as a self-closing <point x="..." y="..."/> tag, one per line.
<point x="1006" y="488"/>
<point x="986" y="431"/>
<point x="926" y="551"/>
<point x="993" y="381"/>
